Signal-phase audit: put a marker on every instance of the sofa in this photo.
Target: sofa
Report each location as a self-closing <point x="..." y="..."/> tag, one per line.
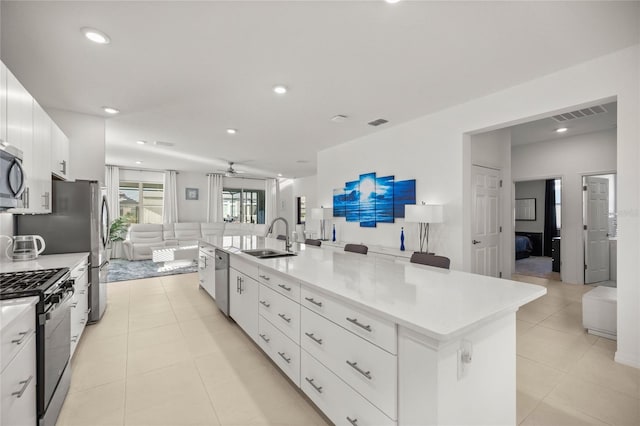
<point x="143" y="238"/>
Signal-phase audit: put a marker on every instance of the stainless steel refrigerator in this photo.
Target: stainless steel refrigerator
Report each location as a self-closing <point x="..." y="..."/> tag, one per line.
<point x="79" y="222"/>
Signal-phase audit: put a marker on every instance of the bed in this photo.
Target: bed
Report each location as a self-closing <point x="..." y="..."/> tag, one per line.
<point x="524" y="247"/>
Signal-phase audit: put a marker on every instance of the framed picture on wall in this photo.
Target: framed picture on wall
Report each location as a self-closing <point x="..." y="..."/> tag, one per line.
<point x="526" y="209"/>
<point x="191" y="193"/>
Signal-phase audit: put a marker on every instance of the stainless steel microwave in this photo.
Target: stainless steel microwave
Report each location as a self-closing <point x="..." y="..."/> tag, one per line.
<point x="12" y="177"/>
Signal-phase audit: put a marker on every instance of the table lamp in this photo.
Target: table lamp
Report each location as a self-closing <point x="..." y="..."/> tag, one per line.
<point x="424" y="214"/>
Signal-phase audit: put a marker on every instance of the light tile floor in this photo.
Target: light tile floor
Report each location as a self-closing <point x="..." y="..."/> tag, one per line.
<point x="164" y="355"/>
<point x="564" y="375"/>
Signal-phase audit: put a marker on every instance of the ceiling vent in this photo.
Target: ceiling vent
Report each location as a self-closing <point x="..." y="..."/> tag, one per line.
<point x="580" y="113"/>
<point x="378" y="122"/>
<point x="160" y="143"/>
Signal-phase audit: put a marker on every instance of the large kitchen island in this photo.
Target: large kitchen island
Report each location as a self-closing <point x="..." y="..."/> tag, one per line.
<point x="374" y="340"/>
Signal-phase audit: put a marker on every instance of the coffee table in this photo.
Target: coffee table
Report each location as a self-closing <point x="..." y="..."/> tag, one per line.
<point x="175" y="254"/>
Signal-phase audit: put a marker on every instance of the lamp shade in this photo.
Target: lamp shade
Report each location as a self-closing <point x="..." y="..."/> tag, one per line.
<point x="423" y="213"/>
<point x="321" y="213"/>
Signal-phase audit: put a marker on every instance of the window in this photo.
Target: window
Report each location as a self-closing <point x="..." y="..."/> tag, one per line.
<point x="243" y="205"/>
<point x="302" y="210"/>
<point x="141" y="202"/>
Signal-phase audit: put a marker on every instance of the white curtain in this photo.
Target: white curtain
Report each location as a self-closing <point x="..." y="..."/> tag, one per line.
<point x="214" y="202"/>
<point x="112" y="180"/>
<point x="272" y="197"/>
<point x="170" y="199"/>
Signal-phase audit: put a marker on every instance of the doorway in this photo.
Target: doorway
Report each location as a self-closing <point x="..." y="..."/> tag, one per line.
<point x="600" y="229"/>
<point x="538" y="222"/>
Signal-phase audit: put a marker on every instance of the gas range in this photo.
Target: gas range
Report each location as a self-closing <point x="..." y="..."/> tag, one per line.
<point x="55" y="291"/>
<point x="31" y="283"/>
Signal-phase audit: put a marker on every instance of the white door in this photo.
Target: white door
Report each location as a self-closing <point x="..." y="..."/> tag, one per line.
<point x="596" y="217"/>
<point x="485" y="221"/>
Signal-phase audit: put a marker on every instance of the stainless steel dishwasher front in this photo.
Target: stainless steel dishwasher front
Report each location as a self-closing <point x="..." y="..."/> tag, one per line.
<point x="222" y="281"/>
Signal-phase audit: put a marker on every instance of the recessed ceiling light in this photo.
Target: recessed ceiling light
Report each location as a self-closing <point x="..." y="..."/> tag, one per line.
<point x="110" y="110"/>
<point x="340" y="118"/>
<point x="96" y="36"/>
<point x="280" y="90"/>
<point x="141" y="142"/>
<point x="279" y="174"/>
<point x="561" y="130"/>
<point x="232" y="131"/>
<point x="138" y="162"/>
<point x="392" y="1"/>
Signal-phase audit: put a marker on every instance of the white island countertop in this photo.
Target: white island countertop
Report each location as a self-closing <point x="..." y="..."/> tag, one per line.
<point x="67" y="260"/>
<point x="443" y="304"/>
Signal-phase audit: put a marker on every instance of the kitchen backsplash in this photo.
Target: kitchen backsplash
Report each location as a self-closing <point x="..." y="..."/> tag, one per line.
<point x="6" y="228"/>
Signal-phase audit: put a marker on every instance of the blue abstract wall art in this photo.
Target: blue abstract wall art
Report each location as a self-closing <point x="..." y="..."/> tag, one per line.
<point x="371" y="199"/>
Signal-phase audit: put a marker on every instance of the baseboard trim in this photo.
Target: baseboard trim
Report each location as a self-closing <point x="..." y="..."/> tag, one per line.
<point x="627" y="359"/>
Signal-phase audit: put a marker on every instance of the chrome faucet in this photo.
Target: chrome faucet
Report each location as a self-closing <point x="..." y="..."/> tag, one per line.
<point x="287" y="242"/>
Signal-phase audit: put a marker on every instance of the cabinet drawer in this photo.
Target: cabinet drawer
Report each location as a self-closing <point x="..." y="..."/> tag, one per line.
<point x="18" y="387"/>
<point x="282" y="312"/>
<point x="282" y="350"/>
<point x="16" y="333"/>
<point x="365" y="367"/>
<point x="207" y="249"/>
<point x="282" y="285"/>
<point x="79" y="318"/>
<point x="335" y="398"/>
<point x="376" y="330"/>
<point x="244" y="266"/>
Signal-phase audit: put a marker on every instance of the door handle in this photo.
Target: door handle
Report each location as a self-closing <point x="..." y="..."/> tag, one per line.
<point x="474" y="242"/>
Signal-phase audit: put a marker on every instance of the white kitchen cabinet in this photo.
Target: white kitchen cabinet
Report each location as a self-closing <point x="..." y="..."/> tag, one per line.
<point x="282" y="350"/>
<point x="243" y="302"/>
<point x="281" y="312"/>
<point x="207" y="270"/>
<point x="59" y="152"/>
<point x="3" y="103"/>
<point x="79" y="302"/>
<point x="28" y="128"/>
<point x="18" y="371"/>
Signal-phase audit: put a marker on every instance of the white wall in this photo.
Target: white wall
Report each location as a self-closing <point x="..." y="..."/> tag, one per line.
<point x="569" y="158"/>
<point x="86" y="135"/>
<point x="532" y="189"/>
<point x="192" y="210"/>
<point x="435" y="149"/>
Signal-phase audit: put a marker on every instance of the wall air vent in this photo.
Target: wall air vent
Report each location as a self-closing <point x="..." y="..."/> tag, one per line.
<point x="160" y="143"/>
<point x="580" y="113"/>
<point x="378" y="122"/>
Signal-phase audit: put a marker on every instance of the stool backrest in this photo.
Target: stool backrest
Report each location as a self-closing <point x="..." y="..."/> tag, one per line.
<point x="356" y="248"/>
<point x="281" y="237"/>
<point x="430" y="260"/>
<point x="312" y="242"/>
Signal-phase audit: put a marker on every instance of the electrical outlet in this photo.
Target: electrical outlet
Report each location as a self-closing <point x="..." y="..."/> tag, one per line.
<point x="464" y="357"/>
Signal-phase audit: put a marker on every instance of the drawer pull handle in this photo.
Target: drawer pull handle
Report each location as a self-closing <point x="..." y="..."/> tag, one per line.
<point x="24" y="335"/>
<point x="25" y="384"/>
<point x="358" y="323"/>
<point x="73" y="305"/>
<point x="314" y="338"/>
<point x="354" y="365"/>
<point x="74" y="339"/>
<point x="265" y="304"/>
<point x="310" y="299"/>
<point x="284" y="317"/>
<point x="264" y="277"/>
<point x="82" y="292"/>
<point x="284" y="287"/>
<point x="354" y="422"/>
<point x="282" y="354"/>
<point x="317" y="388"/>
<point x="265" y="338"/>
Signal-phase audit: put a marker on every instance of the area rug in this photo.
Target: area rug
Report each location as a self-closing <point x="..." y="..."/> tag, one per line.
<point x="536" y="266"/>
<point x="124" y="270"/>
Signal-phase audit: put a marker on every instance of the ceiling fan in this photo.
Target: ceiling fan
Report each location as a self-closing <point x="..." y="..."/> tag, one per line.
<point x="230" y="171"/>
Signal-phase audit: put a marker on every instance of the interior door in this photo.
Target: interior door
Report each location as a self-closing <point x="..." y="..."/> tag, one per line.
<point x="485" y="221"/>
<point x="596" y="218"/>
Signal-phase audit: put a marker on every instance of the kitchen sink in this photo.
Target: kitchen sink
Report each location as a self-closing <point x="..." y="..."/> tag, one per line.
<point x="268" y="253"/>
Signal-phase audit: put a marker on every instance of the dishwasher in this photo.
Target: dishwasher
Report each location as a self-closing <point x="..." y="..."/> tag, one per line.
<point x="222" y="281"/>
